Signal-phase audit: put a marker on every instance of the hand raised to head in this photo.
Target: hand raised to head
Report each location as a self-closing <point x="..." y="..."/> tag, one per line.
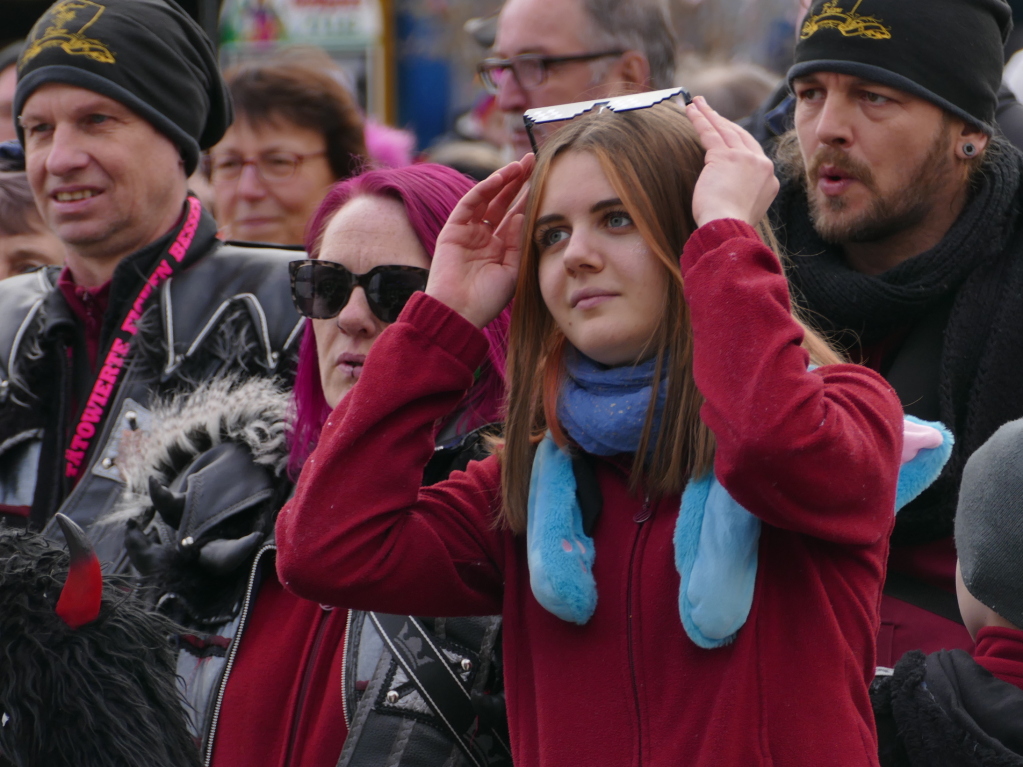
<point x="476" y="261"/>
<point x="738" y="179"/>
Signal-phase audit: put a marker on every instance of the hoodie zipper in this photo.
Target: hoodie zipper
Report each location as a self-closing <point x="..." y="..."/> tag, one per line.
<point x="344" y="670"/>
<point x="233" y="652"/>
<point x="639" y="518"/>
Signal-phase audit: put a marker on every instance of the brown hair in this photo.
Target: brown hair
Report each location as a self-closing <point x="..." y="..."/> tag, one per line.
<point x="302" y="90"/>
<point x="652" y="158"/>
<point x="18" y="211"/>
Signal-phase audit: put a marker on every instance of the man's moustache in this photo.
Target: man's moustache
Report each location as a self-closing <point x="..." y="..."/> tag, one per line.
<point x="837" y="159"/>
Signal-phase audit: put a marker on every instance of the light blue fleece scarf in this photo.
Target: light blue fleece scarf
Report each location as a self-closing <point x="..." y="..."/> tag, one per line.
<point x="716" y="540"/>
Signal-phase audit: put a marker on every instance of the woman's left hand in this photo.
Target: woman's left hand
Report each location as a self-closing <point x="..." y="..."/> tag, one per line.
<point x="738" y="179"/>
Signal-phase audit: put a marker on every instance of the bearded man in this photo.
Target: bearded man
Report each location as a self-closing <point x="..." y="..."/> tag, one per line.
<point x="899" y="207"/>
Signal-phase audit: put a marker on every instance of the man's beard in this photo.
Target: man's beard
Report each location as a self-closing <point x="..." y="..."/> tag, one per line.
<point x="888" y="213"/>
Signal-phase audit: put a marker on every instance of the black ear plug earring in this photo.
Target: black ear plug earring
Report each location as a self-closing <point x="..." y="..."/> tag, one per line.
<point x="969" y="149"/>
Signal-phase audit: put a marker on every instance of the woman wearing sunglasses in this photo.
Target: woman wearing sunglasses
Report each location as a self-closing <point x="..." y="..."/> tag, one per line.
<point x="275" y="679"/>
<point x="686" y="527"/>
<point x="371" y="242"/>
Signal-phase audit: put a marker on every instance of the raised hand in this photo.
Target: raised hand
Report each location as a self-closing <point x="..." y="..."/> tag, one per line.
<point x="476" y="261"/>
<point x="738" y="179"/>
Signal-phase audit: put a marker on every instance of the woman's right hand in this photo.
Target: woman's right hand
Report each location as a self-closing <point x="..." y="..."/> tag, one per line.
<point x="737" y="180"/>
<point x="476" y="261"/>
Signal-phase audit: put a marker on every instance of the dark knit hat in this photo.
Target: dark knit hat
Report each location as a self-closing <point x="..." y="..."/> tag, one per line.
<point x="989" y="523"/>
<point x="147" y="54"/>
<point x="946" y="51"/>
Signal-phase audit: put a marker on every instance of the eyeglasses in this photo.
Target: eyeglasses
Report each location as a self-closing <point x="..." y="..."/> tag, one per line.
<point x="529" y="69"/>
<point x="271" y="166"/>
<point x="321" y="289"/>
<point x="535" y="119"/>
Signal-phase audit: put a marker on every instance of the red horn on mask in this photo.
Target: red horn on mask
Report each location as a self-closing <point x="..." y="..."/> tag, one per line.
<point x="82" y="594"/>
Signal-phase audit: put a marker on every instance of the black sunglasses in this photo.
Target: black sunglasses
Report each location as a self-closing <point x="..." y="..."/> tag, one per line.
<point x="321" y="289"/>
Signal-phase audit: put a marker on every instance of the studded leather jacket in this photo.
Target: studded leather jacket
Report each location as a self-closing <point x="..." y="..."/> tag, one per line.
<point x="228" y="311"/>
<point x="203" y="490"/>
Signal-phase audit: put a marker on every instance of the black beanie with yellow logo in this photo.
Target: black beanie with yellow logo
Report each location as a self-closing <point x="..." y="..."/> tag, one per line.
<point x="946" y="51"/>
<point x="149" y="55"/>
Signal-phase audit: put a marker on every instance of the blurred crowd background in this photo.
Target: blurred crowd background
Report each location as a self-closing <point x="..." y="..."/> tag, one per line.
<point x="412" y="63"/>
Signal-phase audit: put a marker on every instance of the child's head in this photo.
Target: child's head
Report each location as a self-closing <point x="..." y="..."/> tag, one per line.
<point x="609" y="210"/>
<point x="989" y="532"/>
<point x="608" y="214"/>
<point x="610" y="207"/>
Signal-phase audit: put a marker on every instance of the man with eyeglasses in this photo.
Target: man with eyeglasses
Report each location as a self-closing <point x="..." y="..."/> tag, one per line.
<point x="150" y="302"/>
<point x="549" y="52"/>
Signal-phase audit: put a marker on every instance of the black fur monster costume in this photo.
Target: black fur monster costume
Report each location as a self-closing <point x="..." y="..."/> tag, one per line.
<point x="87" y="672"/>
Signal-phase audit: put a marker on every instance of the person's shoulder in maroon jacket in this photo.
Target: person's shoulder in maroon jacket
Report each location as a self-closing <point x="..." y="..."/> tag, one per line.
<point x="647" y="381"/>
<point x="949" y="709"/>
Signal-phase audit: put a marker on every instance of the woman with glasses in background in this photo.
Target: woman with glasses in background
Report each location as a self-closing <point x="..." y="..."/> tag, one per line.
<point x="296" y="131"/>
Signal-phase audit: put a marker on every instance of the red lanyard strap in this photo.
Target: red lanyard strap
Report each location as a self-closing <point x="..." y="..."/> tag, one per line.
<point x="109" y="377"/>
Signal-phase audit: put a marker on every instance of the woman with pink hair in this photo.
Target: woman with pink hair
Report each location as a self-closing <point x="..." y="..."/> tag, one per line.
<point x="382" y="218"/>
<point x="370" y="244"/>
<point x="310" y="680"/>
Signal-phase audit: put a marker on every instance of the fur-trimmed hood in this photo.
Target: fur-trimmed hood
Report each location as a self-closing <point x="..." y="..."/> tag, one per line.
<point x="253" y="413"/>
<point x="203" y="486"/>
<point x="946" y="710"/>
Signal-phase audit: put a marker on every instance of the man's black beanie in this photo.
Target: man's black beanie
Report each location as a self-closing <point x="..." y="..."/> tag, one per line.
<point x="949" y="52"/>
<point x="147" y="54"/>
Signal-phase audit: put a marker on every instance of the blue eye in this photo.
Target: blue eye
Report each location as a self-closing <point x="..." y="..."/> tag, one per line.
<point x="35" y="129"/>
<point x="618" y="219"/>
<point x="546" y="238"/>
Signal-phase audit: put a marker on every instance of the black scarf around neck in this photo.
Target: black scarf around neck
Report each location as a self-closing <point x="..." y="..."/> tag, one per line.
<point x="874" y="306"/>
<point x="978" y="269"/>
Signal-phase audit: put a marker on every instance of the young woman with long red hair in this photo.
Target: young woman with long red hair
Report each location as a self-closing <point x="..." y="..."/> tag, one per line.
<point x="686" y="526"/>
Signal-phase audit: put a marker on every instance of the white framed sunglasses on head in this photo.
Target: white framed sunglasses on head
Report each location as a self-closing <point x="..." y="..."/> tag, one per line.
<point x="539" y="121"/>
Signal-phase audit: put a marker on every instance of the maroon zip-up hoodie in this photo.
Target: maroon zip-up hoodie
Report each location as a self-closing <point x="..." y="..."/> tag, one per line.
<point x="815" y="455"/>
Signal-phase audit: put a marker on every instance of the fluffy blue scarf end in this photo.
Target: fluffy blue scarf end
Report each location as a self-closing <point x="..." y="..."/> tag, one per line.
<point x="716" y="540"/>
<point x="560" y="554"/>
<point x="919" y="472"/>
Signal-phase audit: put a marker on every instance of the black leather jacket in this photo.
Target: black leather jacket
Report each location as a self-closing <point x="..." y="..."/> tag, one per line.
<point x="200" y="516"/>
<point x="228" y="312"/>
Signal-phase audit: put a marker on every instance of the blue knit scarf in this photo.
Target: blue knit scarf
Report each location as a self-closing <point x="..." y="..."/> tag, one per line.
<point x="716" y="540"/>
<point x="603" y="409"/>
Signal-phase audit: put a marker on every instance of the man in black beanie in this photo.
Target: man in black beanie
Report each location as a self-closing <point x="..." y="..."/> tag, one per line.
<point x="114" y="102"/>
<point x="899" y="207"/>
